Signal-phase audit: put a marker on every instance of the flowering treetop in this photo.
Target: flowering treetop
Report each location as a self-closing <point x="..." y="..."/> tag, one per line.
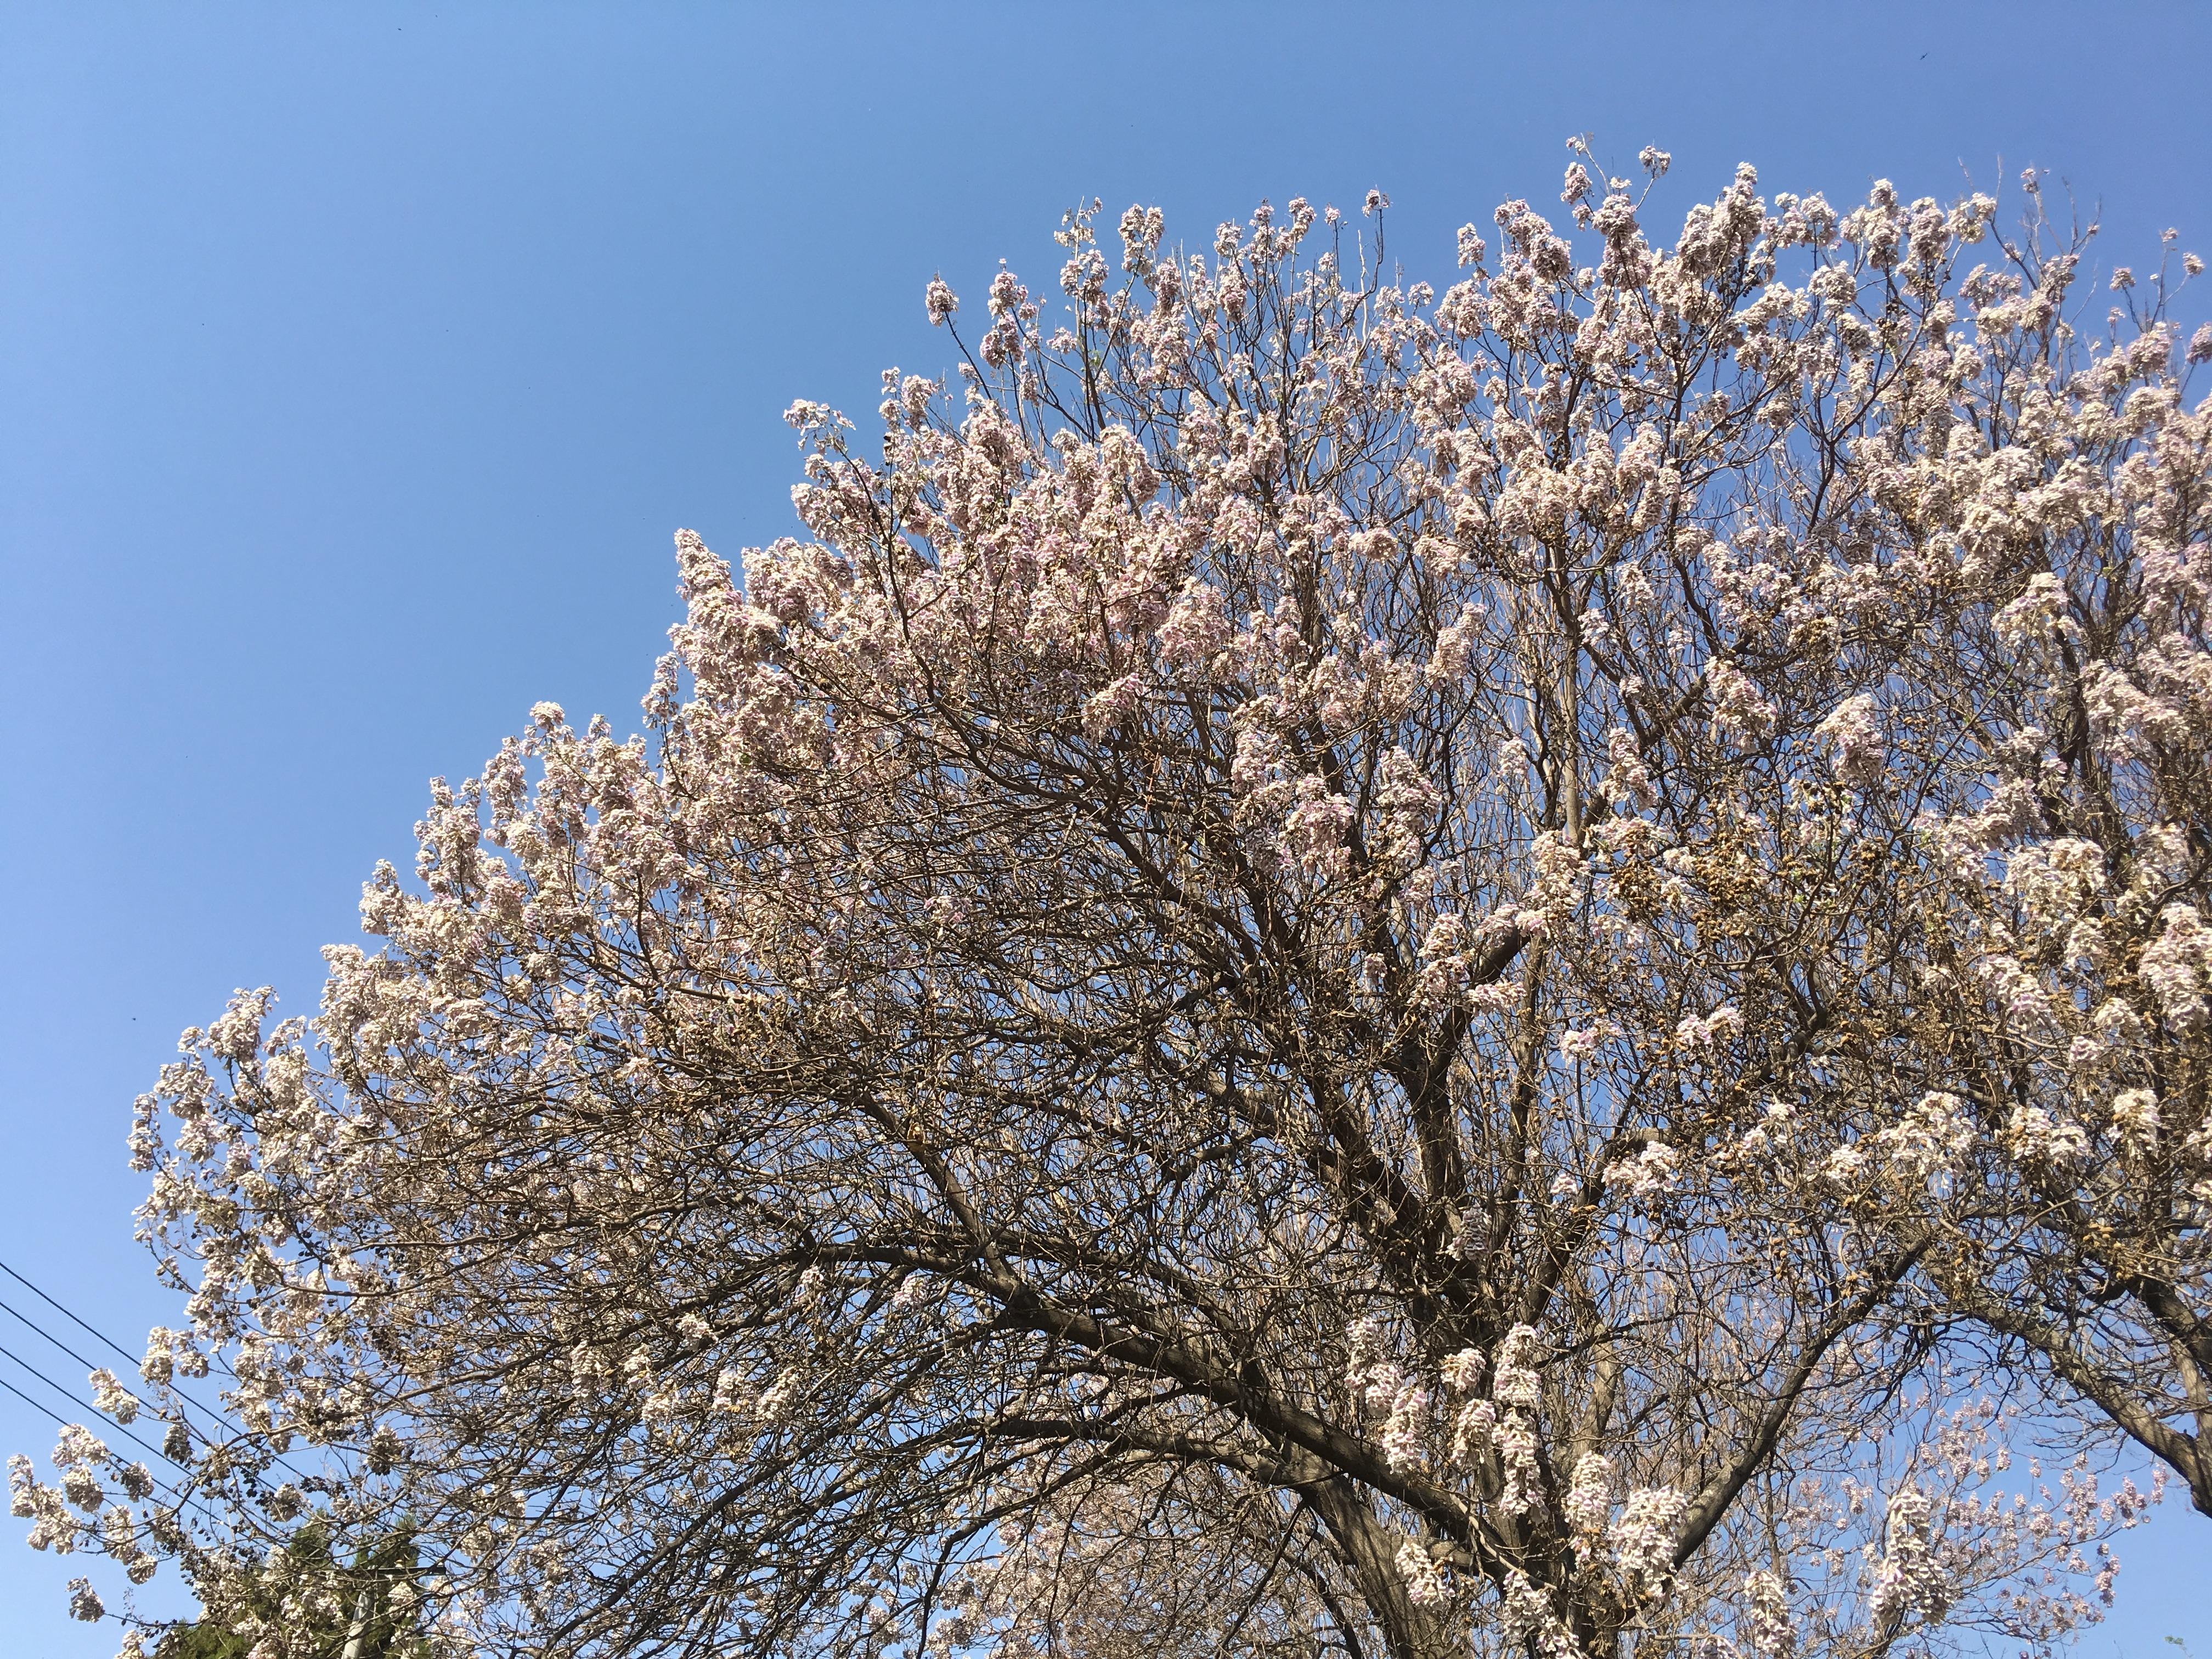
<point x="1336" y="966"/>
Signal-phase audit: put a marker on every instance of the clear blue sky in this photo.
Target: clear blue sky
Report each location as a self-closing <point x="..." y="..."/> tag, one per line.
<point x="357" y="362"/>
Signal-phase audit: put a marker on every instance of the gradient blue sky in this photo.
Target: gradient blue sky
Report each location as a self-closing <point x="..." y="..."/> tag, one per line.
<point x="356" y="364"/>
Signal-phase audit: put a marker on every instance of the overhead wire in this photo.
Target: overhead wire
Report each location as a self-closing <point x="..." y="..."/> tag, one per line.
<point x="197" y="1499"/>
<point x="29" y="1323"/>
<point x="74" y="1318"/>
<point x="184" y="1399"/>
<point x="90" y="1329"/>
<point x="170" y="1487"/>
<point x="122" y="1429"/>
<point x="438" y="1556"/>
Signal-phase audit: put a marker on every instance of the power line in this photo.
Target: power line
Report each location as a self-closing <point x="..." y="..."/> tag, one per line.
<point x="72" y="1316"/>
<point x="184" y="1399"/>
<point x="9" y="1353"/>
<point x="174" y="1493"/>
<point x="68" y="1314"/>
<point x="32" y="1324"/>
<point x="35" y="1405"/>
<point x="174" y="1490"/>
<point x="179" y="1493"/>
<point x="197" y="1499"/>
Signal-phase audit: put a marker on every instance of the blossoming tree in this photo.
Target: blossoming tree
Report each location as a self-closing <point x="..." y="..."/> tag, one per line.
<point x="2031" y="1114"/>
<point x="1336" y="970"/>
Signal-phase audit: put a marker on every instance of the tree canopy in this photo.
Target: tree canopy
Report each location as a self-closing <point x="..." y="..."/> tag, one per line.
<point x="345" y="1612"/>
<point x="1335" y="969"/>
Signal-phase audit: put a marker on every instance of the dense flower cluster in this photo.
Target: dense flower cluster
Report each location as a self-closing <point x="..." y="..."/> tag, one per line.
<point x="1331" y="958"/>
